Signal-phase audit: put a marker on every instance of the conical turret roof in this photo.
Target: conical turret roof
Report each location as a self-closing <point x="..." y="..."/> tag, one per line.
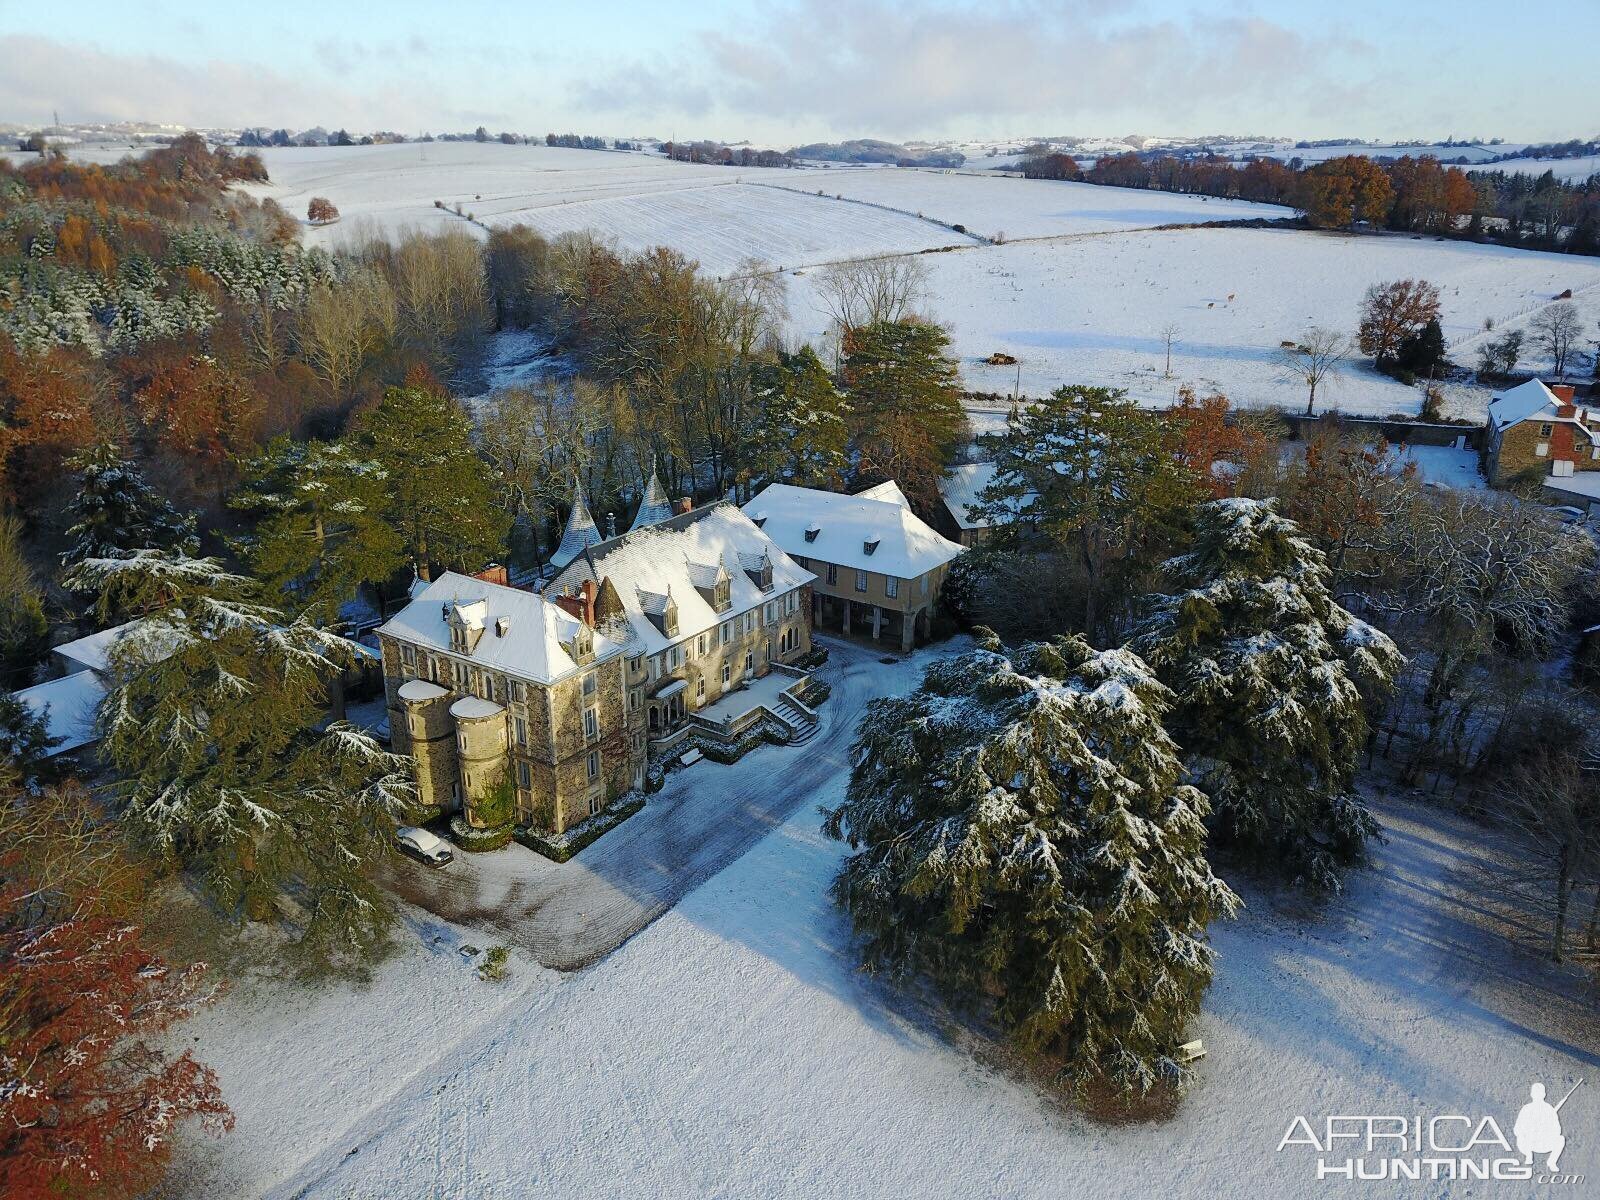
<point x="655" y="507"/>
<point x="580" y="533"/>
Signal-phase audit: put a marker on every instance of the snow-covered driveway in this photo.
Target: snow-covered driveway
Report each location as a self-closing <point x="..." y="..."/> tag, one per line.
<point x="567" y="915"/>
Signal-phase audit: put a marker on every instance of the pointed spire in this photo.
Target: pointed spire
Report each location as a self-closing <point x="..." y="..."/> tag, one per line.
<point x="580" y="533"/>
<point x="655" y="507"/>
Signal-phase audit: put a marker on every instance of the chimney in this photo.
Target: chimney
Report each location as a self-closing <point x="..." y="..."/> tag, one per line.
<point x="588" y="593"/>
<point x="1564" y="394"/>
<point x="494" y="573"/>
<point x="685" y="504"/>
<point x="611" y="525"/>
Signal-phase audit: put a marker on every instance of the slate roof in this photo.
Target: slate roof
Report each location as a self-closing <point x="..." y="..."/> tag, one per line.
<point x="845" y="526"/>
<point x="536" y="635"/>
<point x="644" y="565"/>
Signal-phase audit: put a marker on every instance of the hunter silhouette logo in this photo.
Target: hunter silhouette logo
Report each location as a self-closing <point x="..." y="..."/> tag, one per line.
<point x="1459" y="1146"/>
<point x="1538" y="1127"/>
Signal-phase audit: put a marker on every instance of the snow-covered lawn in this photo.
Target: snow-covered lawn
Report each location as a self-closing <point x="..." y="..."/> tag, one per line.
<point x="1444" y="465"/>
<point x="1021" y="208"/>
<point x="1091" y="310"/>
<point x="733" y="1048"/>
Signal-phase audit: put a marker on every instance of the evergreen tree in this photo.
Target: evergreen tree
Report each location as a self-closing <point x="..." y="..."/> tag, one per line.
<point x="1269" y="675"/>
<point x="440" y="494"/>
<point x="1020" y="831"/>
<point x="906" y="418"/>
<point x="320" y="530"/>
<point x="213" y="721"/>
<point x="116" y="511"/>
<point x="1423" y="352"/>
<point x="1089" y="470"/>
<point x="25" y="743"/>
<point x="799" y="434"/>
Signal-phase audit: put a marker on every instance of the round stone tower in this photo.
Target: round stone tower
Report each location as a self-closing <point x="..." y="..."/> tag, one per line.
<point x="433" y="746"/>
<point x="482" y="748"/>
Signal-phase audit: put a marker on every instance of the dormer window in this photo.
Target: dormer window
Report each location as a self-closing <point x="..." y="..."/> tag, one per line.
<point x="502" y="626"/>
<point x="870" y="546"/>
<point x="670" y="617"/>
<point x="760" y="520"/>
<point x="723" y="594"/>
<point x="812" y="531"/>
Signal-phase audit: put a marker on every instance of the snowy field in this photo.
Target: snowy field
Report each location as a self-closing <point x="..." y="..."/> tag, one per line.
<point x="1574" y="170"/>
<point x="996" y="204"/>
<point x="726" y="225"/>
<point x="1091" y="310"/>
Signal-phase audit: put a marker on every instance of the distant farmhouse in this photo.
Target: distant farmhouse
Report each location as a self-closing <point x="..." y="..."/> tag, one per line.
<point x="879" y="567"/>
<point x="1538" y="430"/>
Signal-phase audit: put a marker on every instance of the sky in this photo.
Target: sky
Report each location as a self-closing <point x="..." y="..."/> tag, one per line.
<point x="781" y="72"/>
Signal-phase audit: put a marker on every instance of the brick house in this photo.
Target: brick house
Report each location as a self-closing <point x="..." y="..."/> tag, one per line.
<point x="1539" y="431"/>
<point x="879" y="567"/>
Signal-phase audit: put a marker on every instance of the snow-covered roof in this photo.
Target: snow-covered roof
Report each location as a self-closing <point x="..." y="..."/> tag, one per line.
<point x="472" y="708"/>
<point x="94" y="651"/>
<point x="1531" y="401"/>
<point x="580" y="533"/>
<point x="647" y="565"/>
<point x="850" y="531"/>
<point x="523" y="634"/>
<point x="887" y="490"/>
<point x="655" y="507"/>
<point x="420" y="689"/>
<point x="962" y="486"/>
<point x="1585" y="484"/>
<point x="68" y="707"/>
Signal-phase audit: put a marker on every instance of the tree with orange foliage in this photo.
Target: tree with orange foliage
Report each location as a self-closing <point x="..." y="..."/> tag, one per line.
<point x="321" y="211"/>
<point x="89" y="1107"/>
<point x="1206" y="435"/>
<point x="199" y="412"/>
<point x="1340" y="192"/>
<point x="46" y="416"/>
<point x="1392" y="312"/>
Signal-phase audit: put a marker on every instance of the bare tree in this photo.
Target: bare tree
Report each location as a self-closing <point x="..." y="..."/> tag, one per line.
<point x="1169" y="334"/>
<point x="870" y="290"/>
<point x="1551" y="799"/>
<point x="1314" y="360"/>
<point x="1556" y="329"/>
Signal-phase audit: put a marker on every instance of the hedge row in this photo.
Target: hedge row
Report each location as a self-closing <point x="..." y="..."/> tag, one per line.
<point x="562" y="846"/>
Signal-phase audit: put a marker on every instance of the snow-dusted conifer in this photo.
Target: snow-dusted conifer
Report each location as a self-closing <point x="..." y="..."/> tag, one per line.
<point x="1020" y="831"/>
<point x="1271" y="679"/>
<point x="320" y="530"/>
<point x="116" y="511"/>
<point x="214" y="723"/>
<point x="798" y="434"/>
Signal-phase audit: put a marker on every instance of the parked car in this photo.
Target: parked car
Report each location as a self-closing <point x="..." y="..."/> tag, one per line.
<point x="422" y="846"/>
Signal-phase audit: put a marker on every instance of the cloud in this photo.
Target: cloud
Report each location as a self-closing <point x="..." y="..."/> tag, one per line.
<point x="38" y="75"/>
<point x="903" y="70"/>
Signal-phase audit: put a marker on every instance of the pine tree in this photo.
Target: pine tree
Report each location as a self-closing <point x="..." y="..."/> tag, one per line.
<point x="1020" y="831"/>
<point x="1087" y="469"/>
<point x="320" y="530"/>
<point x="116" y="511"/>
<point x="25" y="742"/>
<point x="906" y="417"/>
<point x="441" y="495"/>
<point x="213" y="721"/>
<point x="799" y="434"/>
<point x="1271" y="679"/>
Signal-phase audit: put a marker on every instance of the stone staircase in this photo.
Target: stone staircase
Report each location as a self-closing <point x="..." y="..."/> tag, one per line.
<point x="798" y="718"/>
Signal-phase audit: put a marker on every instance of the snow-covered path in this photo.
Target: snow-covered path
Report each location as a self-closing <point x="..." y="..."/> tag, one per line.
<point x="733" y="1049"/>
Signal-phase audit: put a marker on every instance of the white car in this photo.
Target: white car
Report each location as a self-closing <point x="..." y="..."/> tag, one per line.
<point x="422" y="846"/>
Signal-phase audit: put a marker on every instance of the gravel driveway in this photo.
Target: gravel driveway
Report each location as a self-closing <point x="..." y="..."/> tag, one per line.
<point x="571" y="914"/>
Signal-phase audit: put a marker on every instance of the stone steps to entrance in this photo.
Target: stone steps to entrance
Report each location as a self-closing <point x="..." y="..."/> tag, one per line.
<point x="803" y="723"/>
